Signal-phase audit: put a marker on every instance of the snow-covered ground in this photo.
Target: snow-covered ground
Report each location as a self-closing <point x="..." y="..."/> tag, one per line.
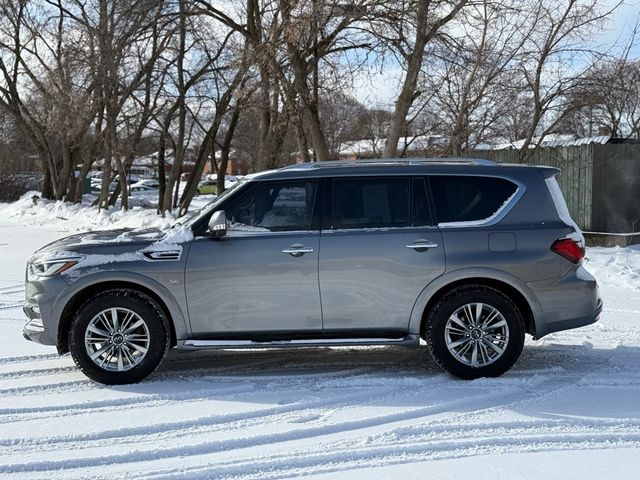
<point x="570" y="408"/>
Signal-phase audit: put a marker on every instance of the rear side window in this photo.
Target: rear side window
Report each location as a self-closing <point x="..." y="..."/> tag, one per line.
<point x="469" y="198"/>
<point x="370" y="202"/>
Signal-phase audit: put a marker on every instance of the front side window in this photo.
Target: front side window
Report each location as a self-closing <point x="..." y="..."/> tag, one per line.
<point x="370" y="203"/>
<point x="469" y="198"/>
<point x="274" y="207"/>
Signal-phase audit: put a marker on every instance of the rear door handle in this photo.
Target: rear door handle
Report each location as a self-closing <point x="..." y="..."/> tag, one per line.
<point x="297" y="250"/>
<point x="422" y="245"/>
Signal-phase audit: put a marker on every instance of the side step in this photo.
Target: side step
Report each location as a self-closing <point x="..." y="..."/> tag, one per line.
<point x="408" y="341"/>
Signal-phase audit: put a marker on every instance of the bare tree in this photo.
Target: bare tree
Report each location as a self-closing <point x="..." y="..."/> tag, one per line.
<point x="471" y="71"/>
<point x="429" y="17"/>
<point x="609" y="97"/>
<point x="47" y="87"/>
<point x="548" y="63"/>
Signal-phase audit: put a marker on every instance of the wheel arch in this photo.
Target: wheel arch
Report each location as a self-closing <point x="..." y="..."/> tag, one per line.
<point x="525" y="300"/>
<point x="81" y="296"/>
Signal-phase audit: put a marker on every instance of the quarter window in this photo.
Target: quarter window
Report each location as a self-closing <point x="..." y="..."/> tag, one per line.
<point x="469" y="198"/>
<point x="282" y="206"/>
<point x="370" y="203"/>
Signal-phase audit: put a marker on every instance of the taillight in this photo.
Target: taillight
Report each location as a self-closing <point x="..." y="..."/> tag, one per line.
<point x="568" y="248"/>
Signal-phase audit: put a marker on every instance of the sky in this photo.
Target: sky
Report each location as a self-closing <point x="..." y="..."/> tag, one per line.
<point x="378" y="87"/>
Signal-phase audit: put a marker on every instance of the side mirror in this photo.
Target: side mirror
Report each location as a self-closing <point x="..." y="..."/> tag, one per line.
<point x="218" y="224"/>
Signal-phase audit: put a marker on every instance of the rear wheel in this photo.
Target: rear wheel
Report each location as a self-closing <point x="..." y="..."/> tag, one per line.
<point x="118" y="337"/>
<point x="475" y="331"/>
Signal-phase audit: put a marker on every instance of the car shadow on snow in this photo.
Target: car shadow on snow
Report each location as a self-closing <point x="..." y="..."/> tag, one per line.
<point x="550" y="381"/>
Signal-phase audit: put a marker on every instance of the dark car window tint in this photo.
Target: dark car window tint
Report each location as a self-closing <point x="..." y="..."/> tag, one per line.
<point x="370" y="203"/>
<point x="274" y="207"/>
<point x="469" y="198"/>
<point x="420" y="213"/>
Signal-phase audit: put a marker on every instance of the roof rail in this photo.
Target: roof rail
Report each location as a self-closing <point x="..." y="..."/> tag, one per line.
<point x="388" y="161"/>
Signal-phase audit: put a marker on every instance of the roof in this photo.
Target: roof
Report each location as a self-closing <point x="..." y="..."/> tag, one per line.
<point x="400" y="166"/>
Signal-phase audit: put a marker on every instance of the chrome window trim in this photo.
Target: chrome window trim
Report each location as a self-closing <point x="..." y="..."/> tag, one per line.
<point x="275" y="233"/>
<point x="380" y="229"/>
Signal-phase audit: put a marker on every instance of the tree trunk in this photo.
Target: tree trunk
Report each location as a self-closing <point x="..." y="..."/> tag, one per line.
<point x="408" y="92"/>
<point x="225" y="150"/>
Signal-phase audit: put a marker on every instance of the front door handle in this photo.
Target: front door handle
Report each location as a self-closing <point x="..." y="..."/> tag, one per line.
<point x="422" y="245"/>
<point x="297" y="250"/>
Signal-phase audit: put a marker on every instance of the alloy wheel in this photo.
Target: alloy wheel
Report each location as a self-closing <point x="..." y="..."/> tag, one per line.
<point x="117" y="339"/>
<point x="476" y="334"/>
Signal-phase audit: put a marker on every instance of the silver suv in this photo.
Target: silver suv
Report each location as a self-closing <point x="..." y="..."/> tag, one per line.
<point x="467" y="255"/>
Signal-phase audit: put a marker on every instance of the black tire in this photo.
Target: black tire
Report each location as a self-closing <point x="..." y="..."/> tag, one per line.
<point x="436" y="330"/>
<point x="142" y="305"/>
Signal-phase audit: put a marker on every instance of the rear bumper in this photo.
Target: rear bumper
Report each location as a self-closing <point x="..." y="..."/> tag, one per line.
<point x="568" y="302"/>
<point x="577" y="322"/>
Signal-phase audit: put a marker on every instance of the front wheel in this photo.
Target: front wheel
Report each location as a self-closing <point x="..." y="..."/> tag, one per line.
<point x="119" y="337"/>
<point x="475" y="331"/>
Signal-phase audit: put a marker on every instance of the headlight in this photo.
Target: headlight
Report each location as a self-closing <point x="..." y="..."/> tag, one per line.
<point x="48" y="267"/>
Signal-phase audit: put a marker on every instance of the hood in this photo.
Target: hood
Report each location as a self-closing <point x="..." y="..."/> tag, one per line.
<point x="122" y="239"/>
<point x="116" y="247"/>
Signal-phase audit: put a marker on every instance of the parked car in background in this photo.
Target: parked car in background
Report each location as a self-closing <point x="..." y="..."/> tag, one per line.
<point x="146" y="182"/>
<point x="142" y="190"/>
<point x="467" y="255"/>
<point x="207" y="187"/>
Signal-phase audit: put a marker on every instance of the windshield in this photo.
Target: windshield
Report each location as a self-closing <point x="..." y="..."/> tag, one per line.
<point x="192" y="217"/>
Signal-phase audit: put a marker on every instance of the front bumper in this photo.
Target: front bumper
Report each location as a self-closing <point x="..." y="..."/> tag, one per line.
<point x="42" y="324"/>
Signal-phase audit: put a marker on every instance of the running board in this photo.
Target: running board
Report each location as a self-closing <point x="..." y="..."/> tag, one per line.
<point x="408" y="341"/>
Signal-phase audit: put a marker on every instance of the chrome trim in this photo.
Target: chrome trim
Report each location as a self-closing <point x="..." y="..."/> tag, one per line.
<point x="34" y="325"/>
<point x="239" y="233"/>
<point x="297" y="250"/>
<point x="409" y="339"/>
<point x="409" y="229"/>
<point x="162" y="255"/>
<point x="422" y="245"/>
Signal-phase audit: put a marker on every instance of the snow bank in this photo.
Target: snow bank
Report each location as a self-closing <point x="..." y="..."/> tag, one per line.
<point x="615" y="266"/>
<point x="70" y="217"/>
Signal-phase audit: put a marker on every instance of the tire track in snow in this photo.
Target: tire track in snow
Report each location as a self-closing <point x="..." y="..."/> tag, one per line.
<point x="28" y="413"/>
<point x="17" y="374"/>
<point x="168" y="372"/>
<point x="343" y="461"/>
<point x="16" y="413"/>
<point x="159" y="377"/>
<point x="28" y="358"/>
<point x="18" y="287"/>
<point x="305" y="404"/>
<point x="627" y="428"/>
<point x="252" y="441"/>
<point x="4" y="306"/>
<point x="531" y="437"/>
